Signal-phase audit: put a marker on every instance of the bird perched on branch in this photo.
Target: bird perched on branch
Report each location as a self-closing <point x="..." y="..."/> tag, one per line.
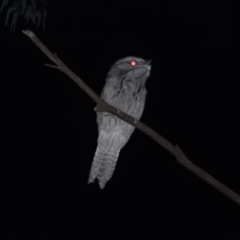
<point x="125" y="90"/>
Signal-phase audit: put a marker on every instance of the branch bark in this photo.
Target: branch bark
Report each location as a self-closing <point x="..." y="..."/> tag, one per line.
<point x="102" y="106"/>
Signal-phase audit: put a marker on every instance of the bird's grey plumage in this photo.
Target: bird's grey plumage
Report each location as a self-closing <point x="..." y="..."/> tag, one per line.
<point x="125" y="90"/>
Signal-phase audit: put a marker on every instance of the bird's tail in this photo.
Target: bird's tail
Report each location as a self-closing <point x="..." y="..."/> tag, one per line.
<point x="103" y="165"/>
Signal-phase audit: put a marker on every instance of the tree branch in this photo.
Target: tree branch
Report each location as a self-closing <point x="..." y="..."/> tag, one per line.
<point x="102" y="106"/>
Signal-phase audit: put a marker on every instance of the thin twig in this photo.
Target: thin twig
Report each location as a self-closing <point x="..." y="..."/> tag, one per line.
<point x="51" y="66"/>
<point x="102" y="106"/>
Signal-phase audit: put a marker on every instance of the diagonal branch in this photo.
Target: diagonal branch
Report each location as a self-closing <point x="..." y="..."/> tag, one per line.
<point x="102" y="106"/>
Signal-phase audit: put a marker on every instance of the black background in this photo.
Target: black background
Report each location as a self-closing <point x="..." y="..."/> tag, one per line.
<point x="49" y="131"/>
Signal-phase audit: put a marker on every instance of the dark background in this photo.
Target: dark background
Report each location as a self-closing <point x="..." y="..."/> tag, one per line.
<point x="49" y="131"/>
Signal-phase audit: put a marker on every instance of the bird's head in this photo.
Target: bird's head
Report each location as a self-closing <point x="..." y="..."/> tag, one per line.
<point x="132" y="67"/>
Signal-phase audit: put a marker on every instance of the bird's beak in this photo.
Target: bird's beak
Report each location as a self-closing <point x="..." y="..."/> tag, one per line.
<point x="148" y="62"/>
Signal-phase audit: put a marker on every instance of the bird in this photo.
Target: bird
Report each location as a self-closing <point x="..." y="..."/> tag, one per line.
<point x="125" y="90"/>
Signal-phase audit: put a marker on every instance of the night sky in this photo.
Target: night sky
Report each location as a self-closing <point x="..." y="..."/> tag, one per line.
<point x="49" y="130"/>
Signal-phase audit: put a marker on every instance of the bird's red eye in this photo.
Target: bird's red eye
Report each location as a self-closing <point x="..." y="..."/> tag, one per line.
<point x="133" y="63"/>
